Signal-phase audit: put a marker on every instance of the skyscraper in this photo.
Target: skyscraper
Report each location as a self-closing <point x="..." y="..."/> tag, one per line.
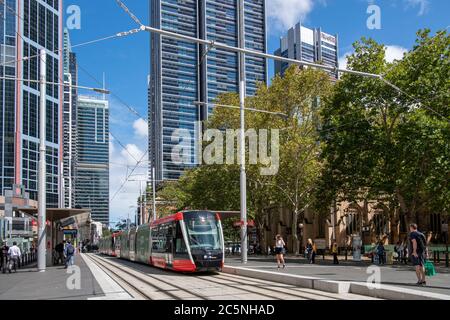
<point x="69" y="122"/>
<point x="92" y="170"/>
<point x="183" y="72"/>
<point x="26" y="27"/>
<point x="310" y="45"/>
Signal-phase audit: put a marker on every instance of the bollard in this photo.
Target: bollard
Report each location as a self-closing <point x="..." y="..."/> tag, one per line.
<point x="346" y="253"/>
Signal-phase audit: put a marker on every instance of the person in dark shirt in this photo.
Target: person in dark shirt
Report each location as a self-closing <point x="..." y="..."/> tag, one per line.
<point x="381" y="251"/>
<point x="418" y="253"/>
<point x="3" y="257"/>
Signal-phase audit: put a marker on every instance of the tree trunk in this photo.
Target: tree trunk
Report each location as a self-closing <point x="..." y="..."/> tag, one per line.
<point x="295" y="241"/>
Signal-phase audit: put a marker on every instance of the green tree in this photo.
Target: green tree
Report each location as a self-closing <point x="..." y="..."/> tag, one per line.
<point x="389" y="141"/>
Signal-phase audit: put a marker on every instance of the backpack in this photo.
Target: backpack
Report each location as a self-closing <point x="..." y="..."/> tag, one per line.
<point x="70" y="250"/>
<point x="421" y="242"/>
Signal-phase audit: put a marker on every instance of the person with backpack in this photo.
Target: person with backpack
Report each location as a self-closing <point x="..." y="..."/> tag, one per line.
<point x="69" y="252"/>
<point x="418" y="253"/>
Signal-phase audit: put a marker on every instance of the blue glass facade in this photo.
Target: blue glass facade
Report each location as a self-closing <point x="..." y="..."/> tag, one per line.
<point x="38" y="28"/>
<point x="92" y="170"/>
<point x="310" y="45"/>
<point x="183" y="72"/>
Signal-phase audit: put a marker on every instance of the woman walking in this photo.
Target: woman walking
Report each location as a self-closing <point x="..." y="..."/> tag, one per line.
<point x="334" y="251"/>
<point x="310" y="250"/>
<point x="279" y="248"/>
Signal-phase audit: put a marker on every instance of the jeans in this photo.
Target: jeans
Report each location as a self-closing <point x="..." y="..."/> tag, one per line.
<point x="69" y="261"/>
<point x="13" y="263"/>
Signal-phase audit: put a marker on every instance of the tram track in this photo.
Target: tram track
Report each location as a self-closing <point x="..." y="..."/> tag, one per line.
<point x="123" y="280"/>
<point x="146" y="282"/>
<point x="145" y="285"/>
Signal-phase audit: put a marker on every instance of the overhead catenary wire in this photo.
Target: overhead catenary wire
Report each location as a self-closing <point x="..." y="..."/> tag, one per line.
<point x="211" y="43"/>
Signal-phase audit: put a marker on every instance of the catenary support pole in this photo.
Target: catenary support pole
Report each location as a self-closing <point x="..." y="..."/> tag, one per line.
<point x="243" y="176"/>
<point x="42" y="235"/>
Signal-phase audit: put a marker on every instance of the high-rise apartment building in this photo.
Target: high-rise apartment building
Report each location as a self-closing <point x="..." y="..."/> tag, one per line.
<point x="92" y="169"/>
<point x="310" y="45"/>
<point x="182" y="72"/>
<point x="26" y="27"/>
<point x="69" y="122"/>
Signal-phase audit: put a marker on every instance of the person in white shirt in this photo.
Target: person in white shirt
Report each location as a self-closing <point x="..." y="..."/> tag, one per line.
<point x="14" y="256"/>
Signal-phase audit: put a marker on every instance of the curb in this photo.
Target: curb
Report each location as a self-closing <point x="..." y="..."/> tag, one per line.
<point x="387" y="292"/>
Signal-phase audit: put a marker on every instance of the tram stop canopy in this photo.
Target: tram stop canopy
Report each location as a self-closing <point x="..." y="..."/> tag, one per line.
<point x="57" y="219"/>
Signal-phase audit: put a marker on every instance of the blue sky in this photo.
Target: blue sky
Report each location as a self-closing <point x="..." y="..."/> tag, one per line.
<point x="125" y="61"/>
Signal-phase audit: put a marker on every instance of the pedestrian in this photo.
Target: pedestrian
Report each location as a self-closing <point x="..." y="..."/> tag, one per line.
<point x="381" y="252"/>
<point x="418" y="252"/>
<point x="59" y="248"/>
<point x="310" y="250"/>
<point x="14" y="256"/>
<point x="4" y="257"/>
<point x="397" y="251"/>
<point x="405" y="251"/>
<point x="314" y="253"/>
<point x="334" y="252"/>
<point x="279" y="251"/>
<point x="69" y="252"/>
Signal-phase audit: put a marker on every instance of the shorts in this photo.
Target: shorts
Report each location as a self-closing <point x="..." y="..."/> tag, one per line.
<point x="278" y="250"/>
<point x="417" y="261"/>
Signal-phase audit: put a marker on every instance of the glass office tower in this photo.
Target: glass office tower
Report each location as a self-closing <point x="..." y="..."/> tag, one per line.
<point x="182" y="73"/>
<point x="26" y="27"/>
<point x="92" y="170"/>
<point x="69" y="122"/>
<point x="311" y="45"/>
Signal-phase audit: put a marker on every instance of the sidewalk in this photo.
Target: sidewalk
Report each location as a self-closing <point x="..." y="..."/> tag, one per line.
<point x="29" y="284"/>
<point x="396" y="275"/>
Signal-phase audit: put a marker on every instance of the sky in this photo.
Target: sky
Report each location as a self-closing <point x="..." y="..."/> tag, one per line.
<point x="125" y="61"/>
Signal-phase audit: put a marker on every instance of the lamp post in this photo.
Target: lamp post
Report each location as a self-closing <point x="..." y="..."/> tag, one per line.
<point x="42" y="219"/>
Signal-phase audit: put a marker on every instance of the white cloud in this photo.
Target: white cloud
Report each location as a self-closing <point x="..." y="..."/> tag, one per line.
<point x="284" y="14"/>
<point x="121" y="164"/>
<point x="141" y="128"/>
<point x="423" y="5"/>
<point x="393" y="53"/>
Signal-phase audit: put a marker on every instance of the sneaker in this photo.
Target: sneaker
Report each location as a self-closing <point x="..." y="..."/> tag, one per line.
<point x="284" y="266"/>
<point x="424" y="283"/>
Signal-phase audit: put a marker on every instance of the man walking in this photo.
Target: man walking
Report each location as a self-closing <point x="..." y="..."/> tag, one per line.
<point x="69" y="251"/>
<point x="59" y="249"/>
<point x="418" y="253"/>
<point x="14" y="256"/>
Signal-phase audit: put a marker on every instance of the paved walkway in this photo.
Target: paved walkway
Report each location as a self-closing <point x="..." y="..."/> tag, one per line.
<point x="54" y="284"/>
<point x="398" y="275"/>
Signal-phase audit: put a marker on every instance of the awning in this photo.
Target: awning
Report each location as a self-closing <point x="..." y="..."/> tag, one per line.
<point x="80" y="215"/>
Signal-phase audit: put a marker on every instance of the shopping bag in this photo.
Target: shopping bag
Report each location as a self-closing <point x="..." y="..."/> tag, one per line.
<point x="430" y="271"/>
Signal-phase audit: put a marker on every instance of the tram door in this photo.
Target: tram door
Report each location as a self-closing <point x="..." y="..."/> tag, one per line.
<point x="133" y="244"/>
<point x="169" y="244"/>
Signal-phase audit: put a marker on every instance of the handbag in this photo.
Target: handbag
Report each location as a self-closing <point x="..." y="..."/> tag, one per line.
<point x="430" y="271"/>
